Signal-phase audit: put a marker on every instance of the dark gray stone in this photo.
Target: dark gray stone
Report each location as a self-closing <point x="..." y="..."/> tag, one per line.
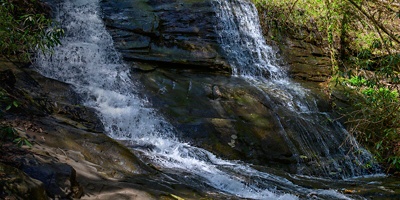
<point x="59" y="179"/>
<point x="165" y="32"/>
<point x="15" y="184"/>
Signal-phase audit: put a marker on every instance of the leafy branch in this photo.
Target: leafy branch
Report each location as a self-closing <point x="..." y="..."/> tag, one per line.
<point x="24" y="30"/>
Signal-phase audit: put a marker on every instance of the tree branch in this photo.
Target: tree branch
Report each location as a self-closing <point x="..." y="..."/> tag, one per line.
<point x="375" y="22"/>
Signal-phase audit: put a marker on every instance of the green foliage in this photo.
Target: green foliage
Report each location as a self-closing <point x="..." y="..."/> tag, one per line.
<point x="22" y="141"/>
<point x="374" y="118"/>
<point x="343" y="27"/>
<point x="13" y="103"/>
<point x="362" y="39"/>
<point x="380" y="96"/>
<point x="357" y="81"/>
<point x="6" y="102"/>
<point x="292" y="16"/>
<point x="8" y="133"/>
<point x="24" y="29"/>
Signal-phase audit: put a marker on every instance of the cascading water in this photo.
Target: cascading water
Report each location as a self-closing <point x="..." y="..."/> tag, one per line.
<point x="88" y="61"/>
<point x="322" y="147"/>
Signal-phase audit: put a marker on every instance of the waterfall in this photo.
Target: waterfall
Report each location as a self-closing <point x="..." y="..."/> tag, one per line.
<point x="242" y="40"/>
<point x="88" y="61"/>
<point x="322" y="146"/>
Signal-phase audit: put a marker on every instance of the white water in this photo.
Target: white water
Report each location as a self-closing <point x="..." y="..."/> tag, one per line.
<point x="332" y="151"/>
<point x="88" y="61"/>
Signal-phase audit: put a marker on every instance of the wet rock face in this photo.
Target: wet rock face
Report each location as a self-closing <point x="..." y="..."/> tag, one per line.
<point x="50" y="116"/>
<point x="70" y="159"/>
<point x="223" y="114"/>
<point x="165" y="32"/>
<point x="307" y="61"/>
<point x="229" y="117"/>
<point x="303" y="50"/>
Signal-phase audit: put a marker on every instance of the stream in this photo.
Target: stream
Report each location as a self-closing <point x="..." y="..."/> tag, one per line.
<point x="88" y="60"/>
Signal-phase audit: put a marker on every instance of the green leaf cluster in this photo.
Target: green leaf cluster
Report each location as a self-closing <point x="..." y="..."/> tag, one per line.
<point x="8" y="133"/>
<point x="25" y="28"/>
<point x="6" y="101"/>
<point x="357" y="81"/>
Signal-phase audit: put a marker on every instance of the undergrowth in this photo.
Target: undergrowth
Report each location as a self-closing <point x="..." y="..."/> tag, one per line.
<point x="363" y="40"/>
<point x="25" y="28"/>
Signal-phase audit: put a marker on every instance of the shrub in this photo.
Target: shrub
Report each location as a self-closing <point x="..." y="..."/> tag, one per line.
<point x="363" y="40"/>
<point x="25" y="28"/>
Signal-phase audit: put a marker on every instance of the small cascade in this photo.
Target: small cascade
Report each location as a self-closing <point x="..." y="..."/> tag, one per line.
<point x="242" y="40"/>
<point x="322" y="146"/>
<point x="88" y="61"/>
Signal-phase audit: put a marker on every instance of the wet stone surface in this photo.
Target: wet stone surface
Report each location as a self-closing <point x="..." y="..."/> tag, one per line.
<point x="169" y="31"/>
<point x="222" y="114"/>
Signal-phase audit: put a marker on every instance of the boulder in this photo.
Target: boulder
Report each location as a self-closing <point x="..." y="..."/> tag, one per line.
<point x="15" y="184"/>
<point x="59" y="179"/>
